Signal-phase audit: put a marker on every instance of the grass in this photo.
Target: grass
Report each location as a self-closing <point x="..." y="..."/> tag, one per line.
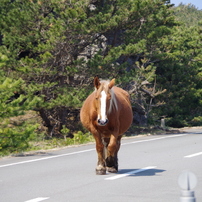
<point x="15" y="137"/>
<point x="39" y="141"/>
<point x="84" y="138"/>
<point x="78" y="139"/>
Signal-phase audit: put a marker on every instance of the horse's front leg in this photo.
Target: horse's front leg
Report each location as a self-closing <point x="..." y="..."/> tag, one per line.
<point x="112" y="154"/>
<point x="101" y="167"/>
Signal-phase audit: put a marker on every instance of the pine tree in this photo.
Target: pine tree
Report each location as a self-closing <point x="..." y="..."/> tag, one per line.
<point x="180" y="73"/>
<point x="56" y="47"/>
<point x="188" y="14"/>
<point x="14" y="136"/>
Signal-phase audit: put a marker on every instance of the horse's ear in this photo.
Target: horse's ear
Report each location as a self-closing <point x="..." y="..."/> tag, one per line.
<point x="112" y="83"/>
<point x="96" y="82"/>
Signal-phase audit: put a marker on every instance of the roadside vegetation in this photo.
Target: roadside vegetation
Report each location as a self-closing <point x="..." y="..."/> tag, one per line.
<point x="50" y="51"/>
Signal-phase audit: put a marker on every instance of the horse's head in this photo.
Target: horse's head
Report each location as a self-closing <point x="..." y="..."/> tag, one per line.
<point x="103" y="99"/>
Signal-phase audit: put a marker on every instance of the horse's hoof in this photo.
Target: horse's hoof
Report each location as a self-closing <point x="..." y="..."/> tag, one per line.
<point x="100" y="170"/>
<point x="112" y="170"/>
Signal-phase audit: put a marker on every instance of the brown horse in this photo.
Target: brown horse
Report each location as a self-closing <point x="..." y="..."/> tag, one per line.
<point x="107" y="114"/>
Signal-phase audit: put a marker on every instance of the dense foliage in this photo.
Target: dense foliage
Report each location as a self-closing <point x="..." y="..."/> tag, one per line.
<point x="50" y="51"/>
<point x="181" y="73"/>
<point x="188" y="14"/>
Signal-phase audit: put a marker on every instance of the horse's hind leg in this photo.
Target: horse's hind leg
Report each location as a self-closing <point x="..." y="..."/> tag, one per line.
<point x="112" y="164"/>
<point x="112" y="157"/>
<point x="105" y="142"/>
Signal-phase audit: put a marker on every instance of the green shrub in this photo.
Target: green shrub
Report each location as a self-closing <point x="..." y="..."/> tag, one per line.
<point x="14" y="139"/>
<point x="196" y="121"/>
<point x="176" y="122"/>
<point x="82" y="138"/>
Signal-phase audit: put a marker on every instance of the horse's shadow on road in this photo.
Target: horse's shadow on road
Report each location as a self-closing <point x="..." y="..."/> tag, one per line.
<point x="149" y="172"/>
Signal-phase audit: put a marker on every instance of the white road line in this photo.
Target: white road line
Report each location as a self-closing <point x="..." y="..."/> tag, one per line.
<point x="130" y="173"/>
<point x="88" y="150"/>
<point x="38" y="199"/>
<point x="45" y="158"/>
<point x="193" y="155"/>
<point x="153" y="139"/>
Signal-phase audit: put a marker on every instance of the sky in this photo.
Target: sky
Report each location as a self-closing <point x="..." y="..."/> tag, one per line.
<point x="197" y="3"/>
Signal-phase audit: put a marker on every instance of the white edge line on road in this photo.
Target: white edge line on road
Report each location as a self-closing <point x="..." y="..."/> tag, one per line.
<point x="130" y="173"/>
<point x="193" y="155"/>
<point x="45" y="158"/>
<point x="153" y="139"/>
<point x="83" y="151"/>
<point x="38" y="199"/>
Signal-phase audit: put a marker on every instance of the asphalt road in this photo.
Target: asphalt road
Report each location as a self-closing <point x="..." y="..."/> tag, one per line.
<point x="149" y="167"/>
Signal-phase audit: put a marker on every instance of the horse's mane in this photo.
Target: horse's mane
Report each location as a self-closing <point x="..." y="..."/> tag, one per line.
<point x="113" y="101"/>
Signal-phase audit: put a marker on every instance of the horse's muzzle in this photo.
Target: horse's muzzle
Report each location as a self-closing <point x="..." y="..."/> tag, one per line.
<point x="102" y="122"/>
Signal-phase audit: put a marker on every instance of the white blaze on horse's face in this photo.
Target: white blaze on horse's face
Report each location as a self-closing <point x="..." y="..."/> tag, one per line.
<point x="102" y="117"/>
